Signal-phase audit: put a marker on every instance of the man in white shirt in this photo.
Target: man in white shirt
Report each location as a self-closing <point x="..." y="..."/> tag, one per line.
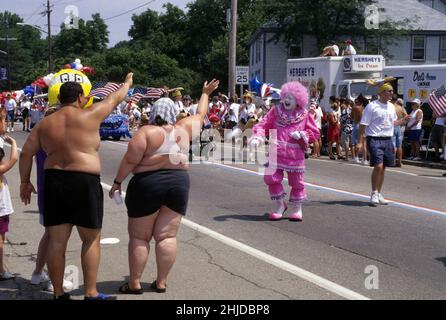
<point x="349" y="49"/>
<point x="10" y="106"/>
<point x="378" y="122"/>
<point x="233" y="112"/>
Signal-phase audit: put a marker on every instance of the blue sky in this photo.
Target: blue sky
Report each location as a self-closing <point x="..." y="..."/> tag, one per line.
<point x="118" y="27"/>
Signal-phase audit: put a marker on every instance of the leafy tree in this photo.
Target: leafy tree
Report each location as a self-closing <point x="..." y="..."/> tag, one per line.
<point x="328" y="19"/>
<point x="90" y="37"/>
<point x="25" y="53"/>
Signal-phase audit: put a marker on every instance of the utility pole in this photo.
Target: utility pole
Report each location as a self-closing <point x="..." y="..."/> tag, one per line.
<point x="48" y="14"/>
<point x="232" y="48"/>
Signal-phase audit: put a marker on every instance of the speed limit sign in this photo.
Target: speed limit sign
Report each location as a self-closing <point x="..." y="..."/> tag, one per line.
<point x="241" y="75"/>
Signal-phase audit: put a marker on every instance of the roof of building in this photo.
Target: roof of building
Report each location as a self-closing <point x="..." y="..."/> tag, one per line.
<point x="422" y="17"/>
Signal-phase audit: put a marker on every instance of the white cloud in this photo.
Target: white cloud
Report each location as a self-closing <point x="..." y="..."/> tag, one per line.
<point x="117" y="27"/>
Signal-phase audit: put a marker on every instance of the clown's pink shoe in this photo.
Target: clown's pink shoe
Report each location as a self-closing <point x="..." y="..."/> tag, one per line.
<point x="274" y="216"/>
<point x="296" y="216"/>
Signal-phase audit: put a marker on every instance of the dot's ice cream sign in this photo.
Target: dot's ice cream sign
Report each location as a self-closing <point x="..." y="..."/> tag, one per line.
<point x="363" y="63"/>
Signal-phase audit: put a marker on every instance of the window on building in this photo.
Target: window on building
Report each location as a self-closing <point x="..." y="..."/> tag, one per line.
<point x="419" y="48"/>
<point x="443" y="48"/>
<point x="295" y="50"/>
<point x="258" y="46"/>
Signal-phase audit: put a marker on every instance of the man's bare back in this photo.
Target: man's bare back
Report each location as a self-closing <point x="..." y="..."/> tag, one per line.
<point x="70" y="138"/>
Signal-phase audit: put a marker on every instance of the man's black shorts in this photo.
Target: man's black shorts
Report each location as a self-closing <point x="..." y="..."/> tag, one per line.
<point x="73" y="197"/>
<point x="148" y="191"/>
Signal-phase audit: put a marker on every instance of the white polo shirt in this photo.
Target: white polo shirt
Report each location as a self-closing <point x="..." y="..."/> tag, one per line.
<point x="10" y="105"/>
<point x="379" y="118"/>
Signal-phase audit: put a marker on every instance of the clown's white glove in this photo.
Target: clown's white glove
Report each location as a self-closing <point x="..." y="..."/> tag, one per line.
<point x="299" y="135"/>
<point x="296" y="135"/>
<point x="255" y="142"/>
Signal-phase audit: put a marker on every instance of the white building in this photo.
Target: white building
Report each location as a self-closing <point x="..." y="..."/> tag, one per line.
<point x="424" y="44"/>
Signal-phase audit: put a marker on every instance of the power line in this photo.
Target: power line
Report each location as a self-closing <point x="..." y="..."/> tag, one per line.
<point x="121" y="14"/>
<point x="34" y="13"/>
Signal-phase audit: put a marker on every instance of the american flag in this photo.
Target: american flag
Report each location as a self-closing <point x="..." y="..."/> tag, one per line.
<point x="150" y="93"/>
<point x="437" y="101"/>
<point x="206" y="121"/>
<point x="101" y="89"/>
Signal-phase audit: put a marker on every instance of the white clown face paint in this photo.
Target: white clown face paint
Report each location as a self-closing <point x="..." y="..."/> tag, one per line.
<point x="289" y="102"/>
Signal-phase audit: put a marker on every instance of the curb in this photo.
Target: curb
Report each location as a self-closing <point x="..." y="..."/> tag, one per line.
<point x="432" y="165"/>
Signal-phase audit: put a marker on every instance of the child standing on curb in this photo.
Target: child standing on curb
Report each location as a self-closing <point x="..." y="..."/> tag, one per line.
<point x="5" y="199"/>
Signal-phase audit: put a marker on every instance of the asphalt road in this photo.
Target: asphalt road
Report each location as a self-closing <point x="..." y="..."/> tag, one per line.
<point x="228" y="249"/>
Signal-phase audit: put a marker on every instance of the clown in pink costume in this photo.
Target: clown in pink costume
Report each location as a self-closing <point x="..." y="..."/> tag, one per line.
<point x="290" y="129"/>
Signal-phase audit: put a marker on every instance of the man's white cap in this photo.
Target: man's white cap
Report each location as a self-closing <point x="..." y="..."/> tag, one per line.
<point x="416" y="100"/>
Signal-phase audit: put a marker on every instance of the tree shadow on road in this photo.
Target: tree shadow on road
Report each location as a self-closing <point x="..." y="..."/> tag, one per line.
<point x="20" y="288"/>
<point x="442" y="260"/>
<point x="349" y="203"/>
<point x="31" y="211"/>
<point x="243" y="217"/>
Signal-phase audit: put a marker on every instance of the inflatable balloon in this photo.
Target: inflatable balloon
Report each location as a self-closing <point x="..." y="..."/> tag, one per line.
<point x="48" y="78"/>
<point x="88" y="70"/>
<point x="265" y="90"/>
<point x="79" y="66"/>
<point x="73" y="65"/>
<point x="29" y="91"/>
<point x="68" y="75"/>
<point x="77" y="61"/>
<point x="67" y="66"/>
<point x="255" y="85"/>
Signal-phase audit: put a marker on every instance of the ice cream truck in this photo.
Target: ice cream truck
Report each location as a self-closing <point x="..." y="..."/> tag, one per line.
<point x="337" y="76"/>
<point x="417" y="81"/>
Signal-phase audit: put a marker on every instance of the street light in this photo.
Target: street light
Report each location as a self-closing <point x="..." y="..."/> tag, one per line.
<point x="50" y="64"/>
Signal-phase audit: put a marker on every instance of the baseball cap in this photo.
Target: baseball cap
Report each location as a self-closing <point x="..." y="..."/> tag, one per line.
<point x="416" y="100"/>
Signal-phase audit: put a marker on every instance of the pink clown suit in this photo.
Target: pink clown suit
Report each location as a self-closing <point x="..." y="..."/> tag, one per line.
<point x="290" y="129"/>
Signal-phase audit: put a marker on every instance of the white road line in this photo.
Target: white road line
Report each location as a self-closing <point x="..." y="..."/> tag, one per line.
<point x="393" y="202"/>
<point x="281" y="264"/>
<point x="329" y="161"/>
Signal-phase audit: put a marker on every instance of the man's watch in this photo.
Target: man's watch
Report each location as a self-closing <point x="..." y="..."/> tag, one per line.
<point x="117" y="182"/>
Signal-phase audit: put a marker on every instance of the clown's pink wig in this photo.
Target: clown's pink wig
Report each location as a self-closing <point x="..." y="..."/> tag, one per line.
<point x="299" y="92"/>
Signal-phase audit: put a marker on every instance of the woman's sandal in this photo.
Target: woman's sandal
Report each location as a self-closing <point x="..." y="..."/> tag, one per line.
<point x="155" y="287"/>
<point x="125" y="288"/>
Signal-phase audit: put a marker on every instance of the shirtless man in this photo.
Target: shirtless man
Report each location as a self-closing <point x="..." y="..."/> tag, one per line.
<point x="357" y="111"/>
<point x="73" y="193"/>
<point x="398" y="133"/>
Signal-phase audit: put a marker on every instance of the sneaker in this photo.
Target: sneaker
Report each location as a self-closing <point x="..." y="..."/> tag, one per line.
<point x="67" y="285"/>
<point x="12" y="129"/>
<point x="382" y="200"/>
<point x="7" y="129"/>
<point x="374" y="200"/>
<point x="417" y="159"/>
<point x="409" y="158"/>
<point x="357" y="160"/>
<point x="6" y="276"/>
<point x="366" y="162"/>
<point x="39" y="278"/>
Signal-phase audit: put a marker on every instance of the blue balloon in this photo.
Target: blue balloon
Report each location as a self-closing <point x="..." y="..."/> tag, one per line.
<point x="255" y="85"/>
<point x="29" y="91"/>
<point x="73" y="65"/>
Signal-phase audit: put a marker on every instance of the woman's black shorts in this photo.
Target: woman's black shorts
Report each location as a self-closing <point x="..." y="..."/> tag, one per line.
<point x="73" y="197"/>
<point x="148" y="191"/>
